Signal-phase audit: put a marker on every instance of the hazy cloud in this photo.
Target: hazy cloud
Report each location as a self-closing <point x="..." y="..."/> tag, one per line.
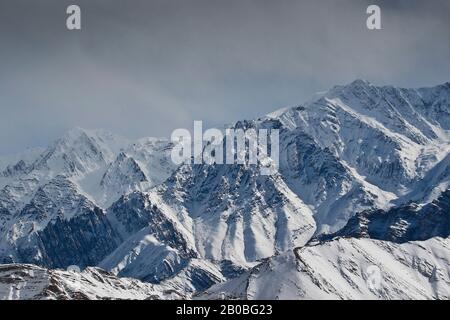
<point x="143" y="68"/>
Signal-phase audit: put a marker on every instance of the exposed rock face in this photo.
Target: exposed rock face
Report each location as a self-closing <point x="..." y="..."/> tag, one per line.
<point x="135" y="212"/>
<point x="60" y="227"/>
<point x="401" y="224"/>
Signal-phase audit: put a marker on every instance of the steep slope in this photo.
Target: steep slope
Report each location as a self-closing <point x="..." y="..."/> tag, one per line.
<point x="233" y="212"/>
<point x="328" y="185"/>
<point x="157" y="249"/>
<point x="139" y="166"/>
<point x="344" y="269"/>
<point x="153" y="156"/>
<point x="122" y="176"/>
<point x="401" y="224"/>
<point x="434" y="182"/>
<point x="145" y="258"/>
<point x="58" y="228"/>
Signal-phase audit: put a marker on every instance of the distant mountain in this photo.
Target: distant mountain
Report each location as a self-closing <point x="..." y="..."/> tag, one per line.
<point x="8" y="162"/>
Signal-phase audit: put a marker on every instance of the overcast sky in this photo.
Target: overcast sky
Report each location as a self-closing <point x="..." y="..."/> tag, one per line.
<point x="145" y="67"/>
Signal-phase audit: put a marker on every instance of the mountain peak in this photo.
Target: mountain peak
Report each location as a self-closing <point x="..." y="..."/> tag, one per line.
<point x="76" y="133"/>
<point x="354" y="86"/>
<point x="358" y="83"/>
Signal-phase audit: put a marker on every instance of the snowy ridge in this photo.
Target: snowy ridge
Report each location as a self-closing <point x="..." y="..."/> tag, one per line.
<point x="27" y="157"/>
<point x="338" y="270"/>
<point x="28" y="282"/>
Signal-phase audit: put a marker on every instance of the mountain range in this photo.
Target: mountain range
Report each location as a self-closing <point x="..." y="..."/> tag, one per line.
<point x="363" y="181"/>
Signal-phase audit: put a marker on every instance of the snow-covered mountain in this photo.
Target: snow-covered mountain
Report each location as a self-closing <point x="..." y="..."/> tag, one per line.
<point x="401" y="224"/>
<point x="30" y="282"/>
<point x="231" y="212"/>
<point x="359" y="161"/>
<point x="104" y="166"/>
<point x="368" y="146"/>
<point x="53" y="208"/>
<point x="9" y="164"/>
<point x="59" y="227"/>
<point x="342" y="269"/>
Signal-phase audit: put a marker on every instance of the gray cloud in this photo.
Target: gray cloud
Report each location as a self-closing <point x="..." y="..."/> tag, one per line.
<point x="143" y="68"/>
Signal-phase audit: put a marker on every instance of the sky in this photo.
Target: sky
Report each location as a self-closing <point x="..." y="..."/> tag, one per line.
<point x="146" y="67"/>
